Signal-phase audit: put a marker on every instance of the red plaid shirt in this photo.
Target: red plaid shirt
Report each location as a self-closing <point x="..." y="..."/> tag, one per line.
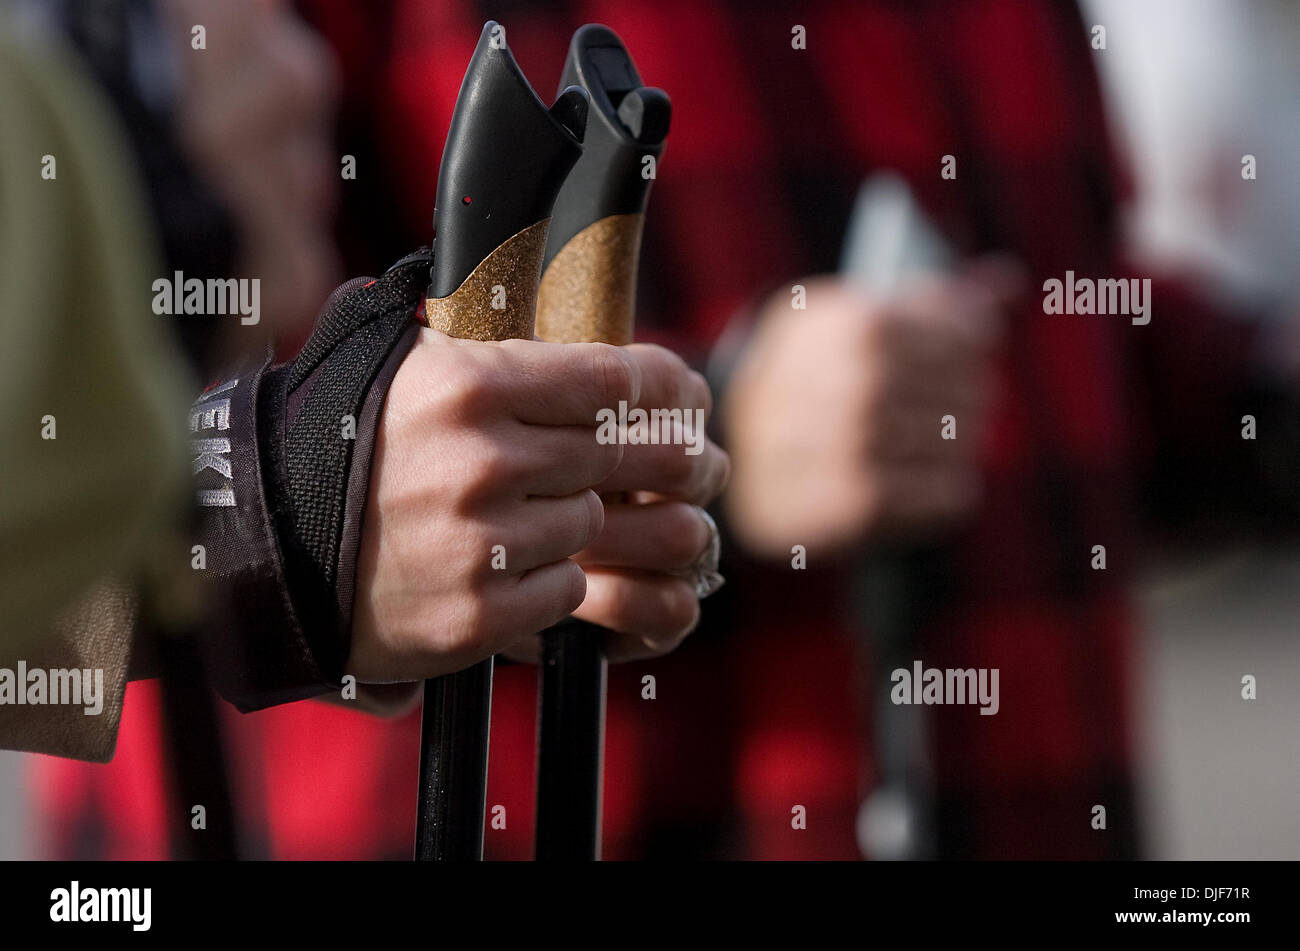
<point x="763" y="708"/>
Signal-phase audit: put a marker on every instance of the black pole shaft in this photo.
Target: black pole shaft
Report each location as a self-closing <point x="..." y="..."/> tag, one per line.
<point x="453" y="766"/>
<point x="900" y="591"/>
<point x="571" y="741"/>
<point x="192" y="733"/>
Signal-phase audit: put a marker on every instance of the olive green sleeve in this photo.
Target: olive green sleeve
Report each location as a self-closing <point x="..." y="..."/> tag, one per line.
<point x="92" y="464"/>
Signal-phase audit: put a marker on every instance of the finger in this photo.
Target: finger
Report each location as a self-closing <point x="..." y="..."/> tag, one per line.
<point x="546" y="530"/>
<point x="959" y="381"/>
<point x="525" y="650"/>
<point x="927" y="345"/>
<point x="566" y="384"/>
<point x="941" y="324"/>
<point x="651" y="613"/>
<point x="508" y="611"/>
<point x="540" y="598"/>
<point x="670" y="472"/>
<point x="382" y="700"/>
<point x="562" y="460"/>
<point x="662" y="536"/>
<point x="667" y="382"/>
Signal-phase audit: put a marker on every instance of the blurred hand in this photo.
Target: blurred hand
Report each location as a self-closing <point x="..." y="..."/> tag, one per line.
<point x="834" y="414"/>
<point x="254" y="117"/>
<point x="487" y="444"/>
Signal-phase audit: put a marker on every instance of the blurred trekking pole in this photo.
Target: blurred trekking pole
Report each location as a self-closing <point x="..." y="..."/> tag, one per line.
<point x="890" y="240"/>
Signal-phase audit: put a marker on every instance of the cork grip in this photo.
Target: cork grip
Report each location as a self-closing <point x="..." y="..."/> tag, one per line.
<point x="498" y="300"/>
<point x="588" y="292"/>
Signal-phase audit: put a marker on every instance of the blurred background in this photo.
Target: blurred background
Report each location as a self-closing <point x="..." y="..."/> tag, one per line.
<point x="1112" y="153"/>
<point x="1193" y="87"/>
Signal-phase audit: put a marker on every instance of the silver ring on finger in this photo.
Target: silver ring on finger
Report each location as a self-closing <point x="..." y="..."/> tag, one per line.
<point x="703" y="572"/>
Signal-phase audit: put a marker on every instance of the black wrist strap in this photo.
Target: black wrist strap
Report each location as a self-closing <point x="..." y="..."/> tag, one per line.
<point x="286" y="533"/>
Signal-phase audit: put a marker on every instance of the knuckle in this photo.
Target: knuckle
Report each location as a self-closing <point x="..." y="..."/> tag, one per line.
<point x="605" y="458"/>
<point x="468" y="631"/>
<point x="679" y="469"/>
<point x="476" y="563"/>
<point x="612" y="373"/>
<point x="570" y="591"/>
<point x="591" y="519"/>
<point x="498" y="622"/>
<point x="667" y="368"/>
<point x="698" y="393"/>
<point x="682" y="377"/>
<point x="464" y="388"/>
<point x="490" y="472"/>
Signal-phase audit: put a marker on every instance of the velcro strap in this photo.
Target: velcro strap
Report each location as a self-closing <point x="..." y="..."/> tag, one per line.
<point x="313" y="436"/>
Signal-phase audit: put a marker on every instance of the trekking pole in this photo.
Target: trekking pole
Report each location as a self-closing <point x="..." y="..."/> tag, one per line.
<point x="195" y="752"/>
<point x="588" y="293"/>
<point x="505" y="159"/>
